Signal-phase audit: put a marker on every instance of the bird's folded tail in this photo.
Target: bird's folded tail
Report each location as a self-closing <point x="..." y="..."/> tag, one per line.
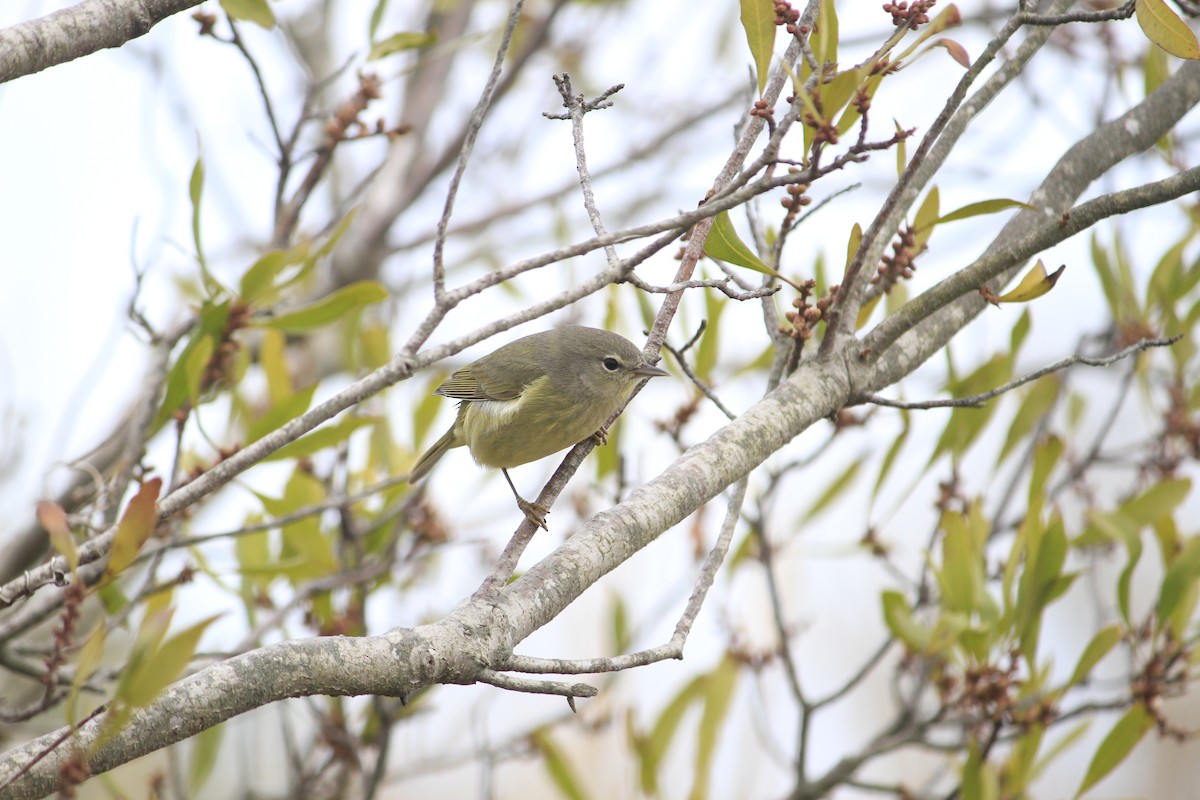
<point x="432" y="456"/>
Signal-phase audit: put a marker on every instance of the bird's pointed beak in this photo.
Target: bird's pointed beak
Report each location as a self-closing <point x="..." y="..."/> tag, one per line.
<point x="647" y="371"/>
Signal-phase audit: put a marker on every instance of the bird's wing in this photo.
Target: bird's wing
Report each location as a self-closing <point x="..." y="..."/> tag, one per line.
<point x="483" y="380"/>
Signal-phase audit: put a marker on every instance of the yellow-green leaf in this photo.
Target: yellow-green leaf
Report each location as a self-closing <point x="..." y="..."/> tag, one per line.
<point x="1035" y="284"/>
<point x="1037" y="403"/>
<point x="718" y="694"/>
<point x="53" y="519"/>
<point x="898" y="617"/>
<point x="196" y="365"/>
<point x="331" y="308"/>
<point x="256" y="11"/>
<point x="320" y="439"/>
<point x="85" y="666"/>
<point x="838" y="485"/>
<point x="853" y="242"/>
<point x="981" y="208"/>
<point x="399" y="42"/>
<point x="282" y="412"/>
<point x="1097" y="648"/>
<point x="1180" y="577"/>
<point x="824" y="38"/>
<point x="258" y="283"/>
<point x="1164" y="27"/>
<point x="134" y="528"/>
<point x="724" y="244"/>
<point x="1119" y="743"/>
<point x="558" y="766"/>
<point x="758" y="20"/>
<point x="162" y="667"/>
<point x="926" y="218"/>
<point x="203" y="757"/>
<point x="837" y="93"/>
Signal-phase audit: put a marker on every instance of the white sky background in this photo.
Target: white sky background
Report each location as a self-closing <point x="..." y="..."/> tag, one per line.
<point x="94" y="162"/>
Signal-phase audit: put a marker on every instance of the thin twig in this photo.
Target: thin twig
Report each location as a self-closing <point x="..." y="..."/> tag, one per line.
<point x="468" y="145"/>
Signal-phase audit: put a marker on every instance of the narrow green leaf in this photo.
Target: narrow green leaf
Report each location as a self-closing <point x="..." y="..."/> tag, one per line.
<point x="1158" y="502"/>
<point x="1180" y="578"/>
<point x="53" y="519"/>
<point x="1035" y="284"/>
<point x="710" y="342"/>
<point x="620" y="626"/>
<point x="718" y="695"/>
<point x="320" y="439"/>
<point x="258" y="282"/>
<point x="1038" y="401"/>
<point x="838" y="92"/>
<point x="1164" y="27"/>
<point x="213" y="317"/>
<point x="203" y="757"/>
<point x="898" y="617"/>
<point x="1018" y="770"/>
<point x="1119" y="743"/>
<point x="824" y="39"/>
<point x="331" y="308"/>
<point x="196" y="366"/>
<point x="195" y="193"/>
<point x="893" y="451"/>
<point x="724" y="244"/>
<point x="162" y="667"/>
<point x="835" y="489"/>
<point x="926" y="218"/>
<point x="134" y="529"/>
<point x="558" y="766"/>
<point x="256" y="11"/>
<point x="853" y="243"/>
<point x="758" y="20"/>
<point x="981" y="208"/>
<point x="1100" y="646"/>
<point x="90" y="656"/>
<point x="664" y="730"/>
<point x="212" y="286"/>
<point x="282" y="412"/>
<point x="400" y="42"/>
<point x="272" y="357"/>
<point x="376" y="18"/>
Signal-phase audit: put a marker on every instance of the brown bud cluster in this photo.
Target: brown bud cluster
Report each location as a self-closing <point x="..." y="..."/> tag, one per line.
<point x="900" y="264"/>
<point x="345" y="122"/>
<point x="208" y="22"/>
<point x="796" y="199"/>
<point x="761" y="109"/>
<point x="805" y="315"/>
<point x="826" y="131"/>
<point x="912" y="17"/>
<point x="787" y="16"/>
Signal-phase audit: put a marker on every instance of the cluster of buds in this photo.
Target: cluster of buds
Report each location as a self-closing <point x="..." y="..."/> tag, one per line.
<point x="900" y="264"/>
<point x="1178" y="425"/>
<point x="826" y="131"/>
<point x="805" y="315"/>
<point x="208" y="22"/>
<point x="990" y="693"/>
<point x="761" y="109"/>
<point x="787" y="16"/>
<point x="1166" y="667"/>
<point x="345" y="124"/>
<point x="796" y="199"/>
<point x="683" y="414"/>
<point x="908" y="16"/>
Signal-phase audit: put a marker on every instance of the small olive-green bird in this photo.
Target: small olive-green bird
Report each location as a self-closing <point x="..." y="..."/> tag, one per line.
<point x="538" y="395"/>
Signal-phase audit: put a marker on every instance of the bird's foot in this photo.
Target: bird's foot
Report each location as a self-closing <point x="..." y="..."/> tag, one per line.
<point x="600" y="438"/>
<point x="534" y="512"/>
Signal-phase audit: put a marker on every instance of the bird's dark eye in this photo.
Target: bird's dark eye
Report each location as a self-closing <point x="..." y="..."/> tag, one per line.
<point x="611" y="364"/>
